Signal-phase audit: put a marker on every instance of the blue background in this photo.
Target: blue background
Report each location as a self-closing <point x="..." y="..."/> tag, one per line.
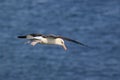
<point x="93" y="22"/>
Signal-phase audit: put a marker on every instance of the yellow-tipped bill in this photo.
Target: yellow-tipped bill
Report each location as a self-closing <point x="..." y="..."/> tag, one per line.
<point x="65" y="48"/>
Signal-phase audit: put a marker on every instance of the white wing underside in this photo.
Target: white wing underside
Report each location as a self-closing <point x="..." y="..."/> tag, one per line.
<point x="39" y="37"/>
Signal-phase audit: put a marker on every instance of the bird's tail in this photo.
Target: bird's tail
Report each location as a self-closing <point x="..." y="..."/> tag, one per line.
<point x="22" y="36"/>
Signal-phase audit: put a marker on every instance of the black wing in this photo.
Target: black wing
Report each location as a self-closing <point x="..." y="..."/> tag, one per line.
<point x="52" y="36"/>
<point x="21" y="36"/>
<point x="32" y="35"/>
<point x="68" y="39"/>
<point x="77" y="42"/>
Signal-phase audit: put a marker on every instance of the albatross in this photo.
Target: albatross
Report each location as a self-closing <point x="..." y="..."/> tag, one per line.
<point x="48" y="39"/>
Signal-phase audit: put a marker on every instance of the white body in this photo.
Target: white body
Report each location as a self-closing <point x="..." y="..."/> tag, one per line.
<point x="41" y="40"/>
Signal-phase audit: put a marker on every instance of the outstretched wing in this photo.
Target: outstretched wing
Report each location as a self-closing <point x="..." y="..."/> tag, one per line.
<point x="68" y="39"/>
<point x="51" y="36"/>
<point x="74" y="41"/>
<point x="35" y="35"/>
<point x="31" y="36"/>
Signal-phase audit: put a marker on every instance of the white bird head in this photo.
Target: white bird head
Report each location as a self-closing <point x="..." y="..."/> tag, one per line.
<point x="60" y="42"/>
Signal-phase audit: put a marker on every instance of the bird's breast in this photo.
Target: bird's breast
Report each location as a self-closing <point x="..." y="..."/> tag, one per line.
<point x="51" y="41"/>
<point x="48" y="41"/>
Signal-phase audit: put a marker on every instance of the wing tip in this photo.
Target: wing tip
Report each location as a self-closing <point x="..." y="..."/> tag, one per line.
<point x="21" y="36"/>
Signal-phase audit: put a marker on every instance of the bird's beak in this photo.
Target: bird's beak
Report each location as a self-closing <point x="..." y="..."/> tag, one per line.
<point x="65" y="48"/>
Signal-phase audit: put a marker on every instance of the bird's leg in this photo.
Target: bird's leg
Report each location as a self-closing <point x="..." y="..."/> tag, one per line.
<point x="33" y="43"/>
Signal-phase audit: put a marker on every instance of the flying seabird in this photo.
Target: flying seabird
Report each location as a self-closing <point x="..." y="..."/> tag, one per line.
<point x="48" y="39"/>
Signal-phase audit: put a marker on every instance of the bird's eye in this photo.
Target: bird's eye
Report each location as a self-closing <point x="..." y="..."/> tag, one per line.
<point x="62" y="42"/>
